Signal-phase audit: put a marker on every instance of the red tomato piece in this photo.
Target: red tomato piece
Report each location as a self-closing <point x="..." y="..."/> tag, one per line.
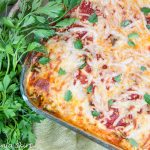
<point x="112" y="119"/>
<point x="104" y="66"/>
<point x="148" y="20"/>
<point x="86" y="8"/>
<point x="81" y="34"/>
<point x="88" y="68"/>
<point x="83" y="78"/>
<point x="134" y="97"/>
<point x="122" y="123"/>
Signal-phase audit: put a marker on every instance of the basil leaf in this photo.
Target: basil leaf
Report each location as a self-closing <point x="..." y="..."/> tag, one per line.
<point x="95" y="113"/>
<point x="89" y="89"/>
<point x="66" y="3"/>
<point x="9" y="49"/>
<point x="83" y="65"/>
<point x="6" y="81"/>
<point x="118" y="78"/>
<point x="8" y="22"/>
<point x="66" y="22"/>
<point x="17" y="38"/>
<point x="28" y="21"/>
<point x="148" y="26"/>
<point x="12" y="74"/>
<point x="131" y="43"/>
<point x="2" y="49"/>
<point x="145" y="10"/>
<point x="36" y="4"/>
<point x="133" y="142"/>
<point x="93" y="18"/>
<point x="1" y="87"/>
<point x="51" y="9"/>
<point x="125" y="23"/>
<point x="44" y="60"/>
<point x="68" y="95"/>
<point x="143" y="68"/>
<point x="33" y="46"/>
<point x="61" y="71"/>
<point x="78" y="44"/>
<point x="110" y="102"/>
<point x="9" y="113"/>
<point x="43" y="33"/>
<point x="41" y="19"/>
<point x="147" y="98"/>
<point x="12" y="88"/>
<point x="41" y="49"/>
<point x="133" y="35"/>
<point x="71" y="3"/>
<point x="3" y="4"/>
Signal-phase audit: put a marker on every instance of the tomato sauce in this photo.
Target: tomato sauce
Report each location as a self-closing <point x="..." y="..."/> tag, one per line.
<point x="43" y="84"/>
<point x="134" y="97"/>
<point x="88" y="69"/>
<point x="112" y="119"/>
<point x="83" y="78"/>
<point x="86" y="8"/>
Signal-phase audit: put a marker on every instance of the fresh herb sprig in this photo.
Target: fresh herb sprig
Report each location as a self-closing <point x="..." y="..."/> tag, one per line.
<point x="20" y="33"/>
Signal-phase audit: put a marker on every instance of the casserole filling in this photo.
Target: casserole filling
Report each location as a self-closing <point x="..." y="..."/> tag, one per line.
<point x="97" y="72"/>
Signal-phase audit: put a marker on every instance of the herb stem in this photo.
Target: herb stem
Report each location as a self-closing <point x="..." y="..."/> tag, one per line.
<point x="21" y="56"/>
<point x="8" y="64"/>
<point x="59" y="18"/>
<point x="15" y="122"/>
<point x="2" y="39"/>
<point x="32" y="28"/>
<point x="21" y="41"/>
<point x="4" y="97"/>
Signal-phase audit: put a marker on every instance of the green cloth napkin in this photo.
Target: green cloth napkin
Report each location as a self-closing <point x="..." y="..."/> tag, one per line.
<point x="52" y="136"/>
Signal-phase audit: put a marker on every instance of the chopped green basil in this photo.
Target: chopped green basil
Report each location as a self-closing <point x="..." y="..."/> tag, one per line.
<point x="133" y="35"/>
<point x="148" y="26"/>
<point x="145" y="10"/>
<point x="68" y="95"/>
<point x="95" y="113"/>
<point x="147" y="98"/>
<point x="89" y="89"/>
<point x="133" y="142"/>
<point x="131" y="43"/>
<point x="118" y="78"/>
<point x="78" y="44"/>
<point x="61" y="71"/>
<point x="93" y="18"/>
<point x="110" y="102"/>
<point x="44" y="60"/>
<point x="143" y="68"/>
<point x="125" y="23"/>
<point x="83" y="65"/>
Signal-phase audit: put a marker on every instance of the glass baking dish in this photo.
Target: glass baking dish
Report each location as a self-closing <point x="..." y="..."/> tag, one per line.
<point x="50" y="116"/>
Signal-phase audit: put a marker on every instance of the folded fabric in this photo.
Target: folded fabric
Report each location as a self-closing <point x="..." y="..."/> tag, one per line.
<point x="52" y="136"/>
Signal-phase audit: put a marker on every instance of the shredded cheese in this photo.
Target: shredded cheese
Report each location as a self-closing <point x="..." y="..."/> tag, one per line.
<point x="112" y="67"/>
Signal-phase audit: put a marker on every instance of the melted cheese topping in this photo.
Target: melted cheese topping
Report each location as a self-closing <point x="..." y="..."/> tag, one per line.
<point x="108" y="56"/>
